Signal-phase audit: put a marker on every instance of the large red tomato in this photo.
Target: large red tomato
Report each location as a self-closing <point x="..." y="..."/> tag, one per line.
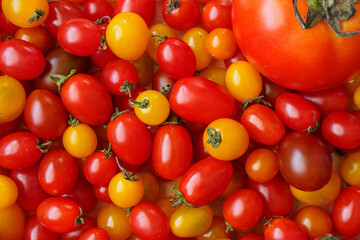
<point x="311" y="59"/>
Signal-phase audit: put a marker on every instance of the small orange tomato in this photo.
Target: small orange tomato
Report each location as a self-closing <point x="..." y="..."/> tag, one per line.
<point x="8" y="192"/>
<point x="151" y="187"/>
<point x="261" y="165"/>
<point x="350" y="169"/>
<point x="221" y="44"/>
<point x="217" y="230"/>
<point x="12" y="223"/>
<point x="215" y="74"/>
<point x="165" y="204"/>
<point x="39" y="36"/>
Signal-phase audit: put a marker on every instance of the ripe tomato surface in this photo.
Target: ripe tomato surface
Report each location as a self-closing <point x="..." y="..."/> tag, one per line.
<point x="215" y="14"/>
<point x="251" y="236"/>
<point x="151" y="187"/>
<point x="284" y="229"/>
<point x="12" y="223"/>
<point x="9" y="192"/>
<point x="215" y="74"/>
<point x="261" y="165"/>
<point x="349" y="169"/>
<point x="181" y="14"/>
<point x="274" y="20"/>
<point x="5" y="25"/>
<point x="220" y="43"/>
<point x="145" y="9"/>
<point x="96" y="9"/>
<point x="217" y="230"/>
<point x="100" y="167"/>
<point x="89" y="223"/>
<point x="35" y="230"/>
<point x="162" y="83"/>
<point x="95" y="234"/>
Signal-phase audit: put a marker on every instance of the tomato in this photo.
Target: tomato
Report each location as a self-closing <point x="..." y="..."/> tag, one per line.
<point x="85" y="98"/>
<point x="183" y="65"/>
<point x="225" y="139"/>
<point x="114" y="221"/>
<point x="96" y="9"/>
<point x="59" y="214"/>
<point x="284" y="229"/>
<point x="220" y="43"/>
<point x="251" y="236"/>
<point x="102" y="56"/>
<point x="61" y="11"/>
<point x="149" y="222"/>
<point x="26" y="14"/>
<point x="12" y="99"/>
<point x="124" y="102"/>
<point x="321" y="197"/>
<point x="45" y="115"/>
<point x="238" y="181"/>
<point x="89" y="223"/>
<point x="349" y="169"/>
<point x="100" y="167"/>
<point x="341" y="130"/>
<point x="345" y="212"/>
<point x="196" y="37"/>
<point x="243" y="81"/>
<point x="5" y="25"/>
<point x="281" y="63"/>
<point x="357" y="97"/>
<point x="145" y="68"/>
<point x="237" y="215"/>
<point x="12" y="223"/>
<point x="58" y="172"/>
<point x="205" y="181"/>
<point x="95" y="234"/>
<point x="79" y="36"/>
<point x="145" y="9"/>
<point x="35" y="230"/>
<point x="263" y="124"/>
<point x="297" y="112"/>
<point x="127" y="36"/>
<point x="101" y="193"/>
<point x="304" y="161"/>
<point x="314" y="220"/>
<point x="152" y="107"/>
<point x="162" y="83"/>
<point x="215" y="74"/>
<point x="21" y="60"/>
<point x="261" y="165"/>
<point x="215" y="101"/>
<point x="19" y="150"/>
<point x="191" y="222"/>
<point x="39" y="36"/>
<point x="9" y="192"/>
<point x="216" y="14"/>
<point x="8" y="127"/>
<point x="181" y="14"/>
<point x="217" y="230"/>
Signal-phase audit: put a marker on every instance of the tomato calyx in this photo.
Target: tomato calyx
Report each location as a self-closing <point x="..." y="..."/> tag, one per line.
<point x="329" y="236"/>
<point x="128" y="211"/>
<point x="37" y="15"/>
<point x="179" y="199"/>
<point x="128" y="176"/>
<point x="127" y="87"/>
<point x="61" y="79"/>
<point x="160" y="38"/>
<point x="214" y="137"/>
<point x="331" y="11"/>
<point x="172" y="5"/>
<point x="73" y="121"/>
<point x="108" y="152"/>
<point x="166" y="89"/>
<point x="5" y="36"/>
<point x="104" y="19"/>
<point x="311" y="129"/>
<point x="79" y="219"/>
<point x="229" y="228"/>
<point x="43" y="146"/>
<point x="174" y="120"/>
<point x="118" y="113"/>
<point x="143" y="104"/>
<point x="258" y="100"/>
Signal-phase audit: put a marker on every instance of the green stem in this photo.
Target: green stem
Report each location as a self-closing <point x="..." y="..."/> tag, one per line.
<point x="118" y="113"/>
<point x="80" y="219"/>
<point x="166" y="89"/>
<point x="258" y="100"/>
<point x="172" y="5"/>
<point x="329" y="236"/>
<point x="127" y="87"/>
<point x="311" y="129"/>
<point x="108" y="152"/>
<point x="214" y="137"/>
<point x="173" y="120"/>
<point x="160" y="38"/>
<point x="73" y="121"/>
<point x="37" y="15"/>
<point x="61" y="79"/>
<point x="179" y="199"/>
<point x="43" y="146"/>
<point x="229" y="228"/>
<point x="102" y="20"/>
<point x="126" y="174"/>
<point x="143" y="104"/>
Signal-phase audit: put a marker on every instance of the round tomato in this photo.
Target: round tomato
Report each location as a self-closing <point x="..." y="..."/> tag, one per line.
<point x="220" y="43"/>
<point x="284" y="229"/>
<point x="12" y="223"/>
<point x="217" y="230"/>
<point x="95" y="234"/>
<point x="145" y="8"/>
<point x="35" y="230"/>
<point x="96" y="9"/>
<point x="8" y="191"/>
<point x="350" y="169"/>
<point x="151" y="187"/>
<point x="261" y="165"/>
<point x="181" y="14"/>
<point x="100" y="167"/>
<point x="89" y="223"/>
<point x="215" y="74"/>
<point x="216" y="14"/>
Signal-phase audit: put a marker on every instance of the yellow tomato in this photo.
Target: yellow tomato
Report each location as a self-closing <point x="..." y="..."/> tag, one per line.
<point x="350" y="169"/>
<point x="196" y="38"/>
<point x="114" y="221"/>
<point x="127" y="35"/>
<point x="191" y="222"/>
<point x="12" y="99"/>
<point x="12" y="223"/>
<point x="321" y="197"/>
<point x="217" y="230"/>
<point x="8" y="192"/>
<point x="225" y="139"/>
<point x="221" y="44"/>
<point x="152" y="107"/>
<point x="243" y="81"/>
<point x="215" y="74"/>
<point x="162" y="30"/>
<point x="80" y="141"/>
<point x="125" y="192"/>
<point x="26" y="13"/>
<point x="261" y="165"/>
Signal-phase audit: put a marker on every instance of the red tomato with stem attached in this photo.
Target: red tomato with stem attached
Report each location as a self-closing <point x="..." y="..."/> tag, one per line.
<point x="181" y="14"/>
<point x="284" y="229"/>
<point x="88" y="224"/>
<point x="145" y="8"/>
<point x="95" y="234"/>
<point x="96" y="9"/>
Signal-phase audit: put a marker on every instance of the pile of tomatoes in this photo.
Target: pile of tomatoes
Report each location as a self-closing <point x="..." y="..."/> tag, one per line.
<point x="177" y="119"/>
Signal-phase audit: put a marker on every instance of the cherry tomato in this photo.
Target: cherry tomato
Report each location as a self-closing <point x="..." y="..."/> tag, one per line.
<point x="102" y="56"/>
<point x="100" y="167"/>
<point x="8" y="127"/>
<point x="349" y="169"/>
<point x="95" y="234"/>
<point x="272" y="90"/>
<point x="215" y="74"/>
<point x="8" y="191"/>
<point x="145" y="68"/>
<point x="251" y="236"/>
<point x="217" y="230"/>
<point x="221" y="44"/>
<point x="145" y="9"/>
<point x="5" y="25"/>
<point x="261" y="165"/>
<point x="12" y="223"/>
<point x="284" y="229"/>
<point x="162" y="83"/>
<point x="181" y="14"/>
<point x="123" y="102"/>
<point x="101" y="193"/>
<point x="89" y="223"/>
<point x="35" y="230"/>
<point x="96" y="9"/>
<point x="39" y="36"/>
<point x="216" y="14"/>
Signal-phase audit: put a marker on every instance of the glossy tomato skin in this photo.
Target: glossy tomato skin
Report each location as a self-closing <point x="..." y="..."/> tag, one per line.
<point x="21" y="60"/>
<point x="19" y="150"/>
<point x="95" y="234"/>
<point x="96" y="9"/>
<point x="304" y="161"/>
<point x="184" y="17"/>
<point x="215" y="101"/>
<point x="45" y="115"/>
<point x="215" y="14"/>
<point x="6" y="26"/>
<point x="149" y="222"/>
<point x="322" y="71"/>
<point x="89" y="223"/>
<point x="346" y="212"/>
<point x="39" y="36"/>
<point x="86" y="99"/>
<point x="130" y="139"/>
<point x="263" y="124"/>
<point x="145" y="8"/>
<point x="35" y="230"/>
<point x="251" y="236"/>
<point x="284" y="229"/>
<point x="172" y="151"/>
<point x="205" y="181"/>
<point x="12" y="222"/>
<point x="99" y="168"/>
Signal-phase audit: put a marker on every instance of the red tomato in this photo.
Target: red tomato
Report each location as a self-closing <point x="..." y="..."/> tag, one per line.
<point x="162" y="83"/>
<point x="35" y="230"/>
<point x="99" y="168"/>
<point x="95" y="234"/>
<point x="101" y="193"/>
<point x="149" y="222"/>
<point x="215" y="14"/>
<point x="251" y="236"/>
<point x="172" y="151"/>
<point x="205" y="181"/>
<point x="6" y="26"/>
<point x="238" y="56"/>
<point x="284" y="229"/>
<point x="89" y="223"/>
<point x="181" y="14"/>
<point x="8" y="127"/>
<point x="287" y="61"/>
<point x="96" y="9"/>
<point x="123" y="102"/>
<point x="102" y="57"/>
<point x="145" y="8"/>
<point x="200" y="100"/>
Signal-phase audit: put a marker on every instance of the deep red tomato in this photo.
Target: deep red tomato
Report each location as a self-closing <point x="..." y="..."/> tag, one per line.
<point x="346" y="212"/>
<point x="251" y="236"/>
<point x="284" y="229"/>
<point x="89" y="223"/>
<point x="275" y="194"/>
<point x="200" y="100"/>
<point x="130" y="139"/>
<point x="96" y="9"/>
<point x="145" y="8"/>
<point x="45" y="115"/>
<point x="59" y="214"/>
<point x="149" y="222"/>
<point x="238" y="56"/>
<point x="215" y="14"/>
<point x="341" y="129"/>
<point x="172" y="151"/>
<point x="95" y="233"/>
<point x="176" y="58"/>
<point x="205" y="181"/>
<point x="99" y="168"/>
<point x="162" y="83"/>
<point x="199" y="149"/>
<point x="19" y="150"/>
<point x="86" y="99"/>
<point x="102" y="57"/>
<point x="181" y="14"/>
<point x="58" y="172"/>
<point x="291" y="66"/>
<point x="31" y="193"/>
<point x="35" y="230"/>
<point x="101" y="193"/>
<point x="6" y="26"/>
<point x="123" y="102"/>
<point x="304" y="161"/>
<point x="8" y="127"/>
<point x="263" y="124"/>
<point x="21" y="60"/>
